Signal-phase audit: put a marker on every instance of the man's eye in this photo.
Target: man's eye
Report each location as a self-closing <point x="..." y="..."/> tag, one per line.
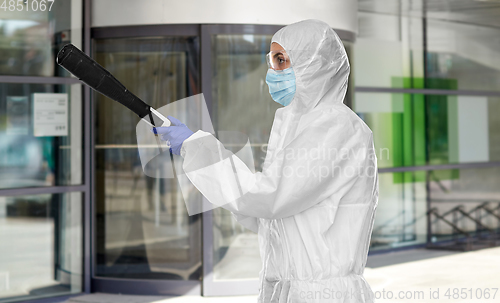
<point x="281" y="60"/>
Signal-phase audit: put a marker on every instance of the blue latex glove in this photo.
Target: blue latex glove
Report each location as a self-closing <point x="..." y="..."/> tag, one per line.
<point x="176" y="133"/>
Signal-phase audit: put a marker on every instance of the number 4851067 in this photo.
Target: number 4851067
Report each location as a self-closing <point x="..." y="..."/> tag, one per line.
<point x="27" y="5"/>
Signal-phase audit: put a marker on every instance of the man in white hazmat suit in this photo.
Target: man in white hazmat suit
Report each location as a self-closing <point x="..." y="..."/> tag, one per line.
<point x="313" y="205"/>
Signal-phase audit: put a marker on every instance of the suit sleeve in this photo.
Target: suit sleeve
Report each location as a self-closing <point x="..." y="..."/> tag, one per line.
<point x="323" y="160"/>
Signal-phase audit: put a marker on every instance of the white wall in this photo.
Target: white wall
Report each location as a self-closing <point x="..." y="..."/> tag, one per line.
<point x="468" y="132"/>
<point x="340" y="14"/>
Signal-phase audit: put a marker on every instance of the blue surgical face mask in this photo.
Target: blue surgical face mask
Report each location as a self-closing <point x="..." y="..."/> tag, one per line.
<point x="281" y="85"/>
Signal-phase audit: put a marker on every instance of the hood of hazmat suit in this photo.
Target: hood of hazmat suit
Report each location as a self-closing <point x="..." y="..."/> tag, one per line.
<point x="314" y="203"/>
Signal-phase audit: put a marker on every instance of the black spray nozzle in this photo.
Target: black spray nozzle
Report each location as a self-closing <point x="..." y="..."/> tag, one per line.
<point x="98" y="78"/>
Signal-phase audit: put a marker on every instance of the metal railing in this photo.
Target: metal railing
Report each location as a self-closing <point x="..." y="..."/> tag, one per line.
<point x="465" y="240"/>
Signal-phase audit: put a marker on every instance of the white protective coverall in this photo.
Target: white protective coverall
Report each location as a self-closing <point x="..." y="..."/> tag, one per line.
<point x="313" y="205"/>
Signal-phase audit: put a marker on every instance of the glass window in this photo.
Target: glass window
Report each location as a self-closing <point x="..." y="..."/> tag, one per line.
<point x="240" y="90"/>
<point x="465" y="55"/>
<point x="388" y="51"/>
<point x="401" y="212"/>
<point x="41" y="246"/>
<point x="30" y="38"/>
<point x="463" y="129"/>
<point x="40" y="146"/>
<point x="475" y="191"/>
<point x="143" y="229"/>
<point x="398" y="125"/>
<point x="460" y="129"/>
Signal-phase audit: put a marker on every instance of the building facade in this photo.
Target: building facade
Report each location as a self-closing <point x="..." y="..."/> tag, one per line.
<point x="77" y="213"/>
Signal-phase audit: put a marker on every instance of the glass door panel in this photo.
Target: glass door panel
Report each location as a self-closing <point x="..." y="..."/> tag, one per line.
<point x="240" y="90"/>
<point x="142" y="228"/>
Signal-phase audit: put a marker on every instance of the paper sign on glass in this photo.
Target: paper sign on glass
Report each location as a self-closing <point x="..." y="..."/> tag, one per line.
<point x="50" y="115"/>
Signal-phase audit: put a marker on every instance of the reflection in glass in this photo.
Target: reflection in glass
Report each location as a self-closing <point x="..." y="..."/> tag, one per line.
<point x="450" y="129"/>
<point x="241" y="103"/>
<point x="143" y="230"/>
<point x="467" y="54"/>
<point x="401" y="212"/>
<point x="398" y="124"/>
<point x="474" y="190"/>
<point x="41" y="246"/>
<point x="30" y="39"/>
<point x="29" y="161"/>
<point x="388" y="51"/>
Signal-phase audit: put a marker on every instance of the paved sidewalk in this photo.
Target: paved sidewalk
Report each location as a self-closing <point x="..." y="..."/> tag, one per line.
<point x="434" y="270"/>
<point x="462" y="276"/>
<point x="107" y="298"/>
